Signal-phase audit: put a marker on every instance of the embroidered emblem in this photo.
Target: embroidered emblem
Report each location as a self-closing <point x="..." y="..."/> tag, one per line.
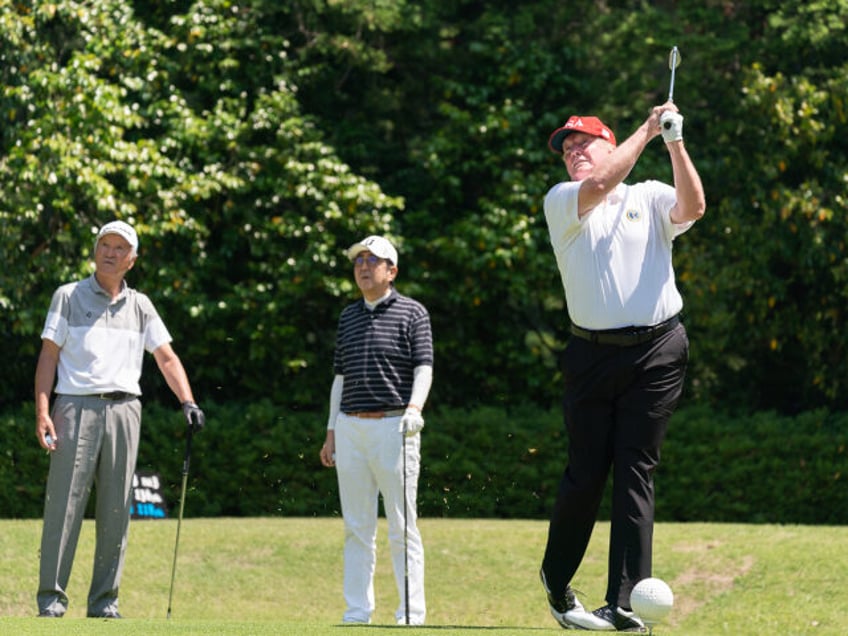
<point x="633" y="215"/>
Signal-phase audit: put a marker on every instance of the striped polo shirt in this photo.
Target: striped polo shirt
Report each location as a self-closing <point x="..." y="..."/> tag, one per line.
<point x="377" y="351"/>
<point x="102" y="341"/>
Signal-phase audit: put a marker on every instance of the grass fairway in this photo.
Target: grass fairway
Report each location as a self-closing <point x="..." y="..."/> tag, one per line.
<point x="282" y="576"/>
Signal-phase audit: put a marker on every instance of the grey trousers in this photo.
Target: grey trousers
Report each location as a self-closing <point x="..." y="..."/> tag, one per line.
<point x="97" y="443"/>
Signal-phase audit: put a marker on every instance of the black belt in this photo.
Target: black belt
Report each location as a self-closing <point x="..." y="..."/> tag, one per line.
<point x="113" y="395"/>
<point x="626" y="336"/>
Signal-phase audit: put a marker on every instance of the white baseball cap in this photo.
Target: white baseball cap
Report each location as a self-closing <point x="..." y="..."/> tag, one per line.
<point x="124" y="230"/>
<point x="377" y="245"/>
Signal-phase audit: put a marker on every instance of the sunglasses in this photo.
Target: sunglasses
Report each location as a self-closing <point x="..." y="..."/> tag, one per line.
<point x="370" y="259"/>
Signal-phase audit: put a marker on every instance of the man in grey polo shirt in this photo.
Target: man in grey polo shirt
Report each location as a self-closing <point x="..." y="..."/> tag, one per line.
<point x="93" y="342"/>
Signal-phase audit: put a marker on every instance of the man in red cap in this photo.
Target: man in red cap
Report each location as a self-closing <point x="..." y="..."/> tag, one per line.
<point x="625" y="364"/>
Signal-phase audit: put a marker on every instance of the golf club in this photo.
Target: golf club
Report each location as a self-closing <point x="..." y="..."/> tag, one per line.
<point x="186" y="461"/>
<point x="673" y="63"/>
<point x="405" y="536"/>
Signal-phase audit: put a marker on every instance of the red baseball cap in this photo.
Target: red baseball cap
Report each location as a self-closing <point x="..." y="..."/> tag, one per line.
<point x="577" y="123"/>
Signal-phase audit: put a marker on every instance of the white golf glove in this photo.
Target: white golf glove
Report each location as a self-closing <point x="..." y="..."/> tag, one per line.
<point x="412" y="422"/>
<point x="671" y="124"/>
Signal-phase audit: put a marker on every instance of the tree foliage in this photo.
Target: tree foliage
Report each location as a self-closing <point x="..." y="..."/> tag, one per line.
<point x="249" y="143"/>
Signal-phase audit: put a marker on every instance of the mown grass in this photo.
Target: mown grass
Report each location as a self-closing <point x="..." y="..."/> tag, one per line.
<point x="283" y="576"/>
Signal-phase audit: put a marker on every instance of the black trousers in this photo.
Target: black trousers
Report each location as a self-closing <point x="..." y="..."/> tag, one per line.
<point x="618" y="401"/>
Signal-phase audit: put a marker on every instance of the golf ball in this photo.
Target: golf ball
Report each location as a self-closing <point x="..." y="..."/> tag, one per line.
<point x="652" y="599"/>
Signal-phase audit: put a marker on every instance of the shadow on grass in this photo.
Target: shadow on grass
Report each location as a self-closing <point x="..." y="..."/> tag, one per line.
<point x="458" y="627"/>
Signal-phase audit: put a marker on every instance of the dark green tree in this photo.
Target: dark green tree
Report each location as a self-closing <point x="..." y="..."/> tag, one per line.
<point x="237" y="200"/>
<point x="250" y="143"/>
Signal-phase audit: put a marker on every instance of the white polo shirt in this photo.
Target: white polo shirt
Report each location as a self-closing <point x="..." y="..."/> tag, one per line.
<point x="102" y="342"/>
<point x="615" y="262"/>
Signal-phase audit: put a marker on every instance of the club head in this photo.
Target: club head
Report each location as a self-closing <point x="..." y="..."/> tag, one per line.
<point x="673" y="58"/>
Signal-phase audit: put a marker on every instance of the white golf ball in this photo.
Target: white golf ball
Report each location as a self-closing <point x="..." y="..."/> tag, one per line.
<point x="652" y="599"/>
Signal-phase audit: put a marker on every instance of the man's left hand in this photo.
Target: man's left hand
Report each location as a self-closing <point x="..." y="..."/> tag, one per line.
<point x="671" y="124"/>
<point x="195" y="419"/>
<point x="412" y="422"/>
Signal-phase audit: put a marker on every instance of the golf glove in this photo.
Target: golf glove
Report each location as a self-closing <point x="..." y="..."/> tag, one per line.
<point x="411" y="423"/>
<point x="195" y="419"/>
<point x="671" y="124"/>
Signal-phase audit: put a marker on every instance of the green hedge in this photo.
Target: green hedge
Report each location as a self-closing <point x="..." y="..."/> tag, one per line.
<point x="256" y="460"/>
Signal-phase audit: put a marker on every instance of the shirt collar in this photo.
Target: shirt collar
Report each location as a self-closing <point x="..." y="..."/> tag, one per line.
<point x="373" y="305"/>
<point x="95" y="286"/>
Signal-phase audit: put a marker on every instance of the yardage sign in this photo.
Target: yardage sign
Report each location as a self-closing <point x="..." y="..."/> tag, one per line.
<point x="148" y="502"/>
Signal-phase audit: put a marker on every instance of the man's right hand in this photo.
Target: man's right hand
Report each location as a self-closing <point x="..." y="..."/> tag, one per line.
<point x="45" y="433"/>
<point x="328" y="450"/>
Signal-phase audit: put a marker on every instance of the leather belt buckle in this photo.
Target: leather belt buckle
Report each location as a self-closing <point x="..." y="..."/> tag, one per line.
<point x="628" y="336"/>
<point x="375" y="415"/>
<point x="114" y="395"/>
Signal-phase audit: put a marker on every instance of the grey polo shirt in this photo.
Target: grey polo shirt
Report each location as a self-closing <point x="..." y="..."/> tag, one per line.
<point x="102" y="341"/>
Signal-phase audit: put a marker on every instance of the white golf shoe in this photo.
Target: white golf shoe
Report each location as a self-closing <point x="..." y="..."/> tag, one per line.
<point x="608" y="618"/>
<point x="568" y="611"/>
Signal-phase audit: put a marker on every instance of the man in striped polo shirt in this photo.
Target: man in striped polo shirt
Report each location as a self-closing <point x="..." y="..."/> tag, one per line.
<point x="93" y="342"/>
<point x="383" y="371"/>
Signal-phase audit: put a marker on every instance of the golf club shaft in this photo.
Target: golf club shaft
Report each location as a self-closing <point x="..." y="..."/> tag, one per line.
<point x="186" y="461"/>
<point x="673" y="64"/>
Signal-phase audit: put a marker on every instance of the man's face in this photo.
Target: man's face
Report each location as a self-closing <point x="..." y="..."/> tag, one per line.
<point x="580" y="153"/>
<point x="374" y="275"/>
<point x="113" y="255"/>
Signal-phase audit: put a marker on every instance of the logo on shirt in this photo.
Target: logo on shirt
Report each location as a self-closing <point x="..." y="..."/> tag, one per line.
<point x="633" y="215"/>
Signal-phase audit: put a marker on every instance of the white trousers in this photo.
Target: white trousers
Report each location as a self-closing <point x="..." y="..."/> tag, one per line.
<point x="369" y="462"/>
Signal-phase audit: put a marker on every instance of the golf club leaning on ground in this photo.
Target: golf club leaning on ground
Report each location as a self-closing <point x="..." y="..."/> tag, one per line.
<point x="405" y="535"/>
<point x="186" y="461"/>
